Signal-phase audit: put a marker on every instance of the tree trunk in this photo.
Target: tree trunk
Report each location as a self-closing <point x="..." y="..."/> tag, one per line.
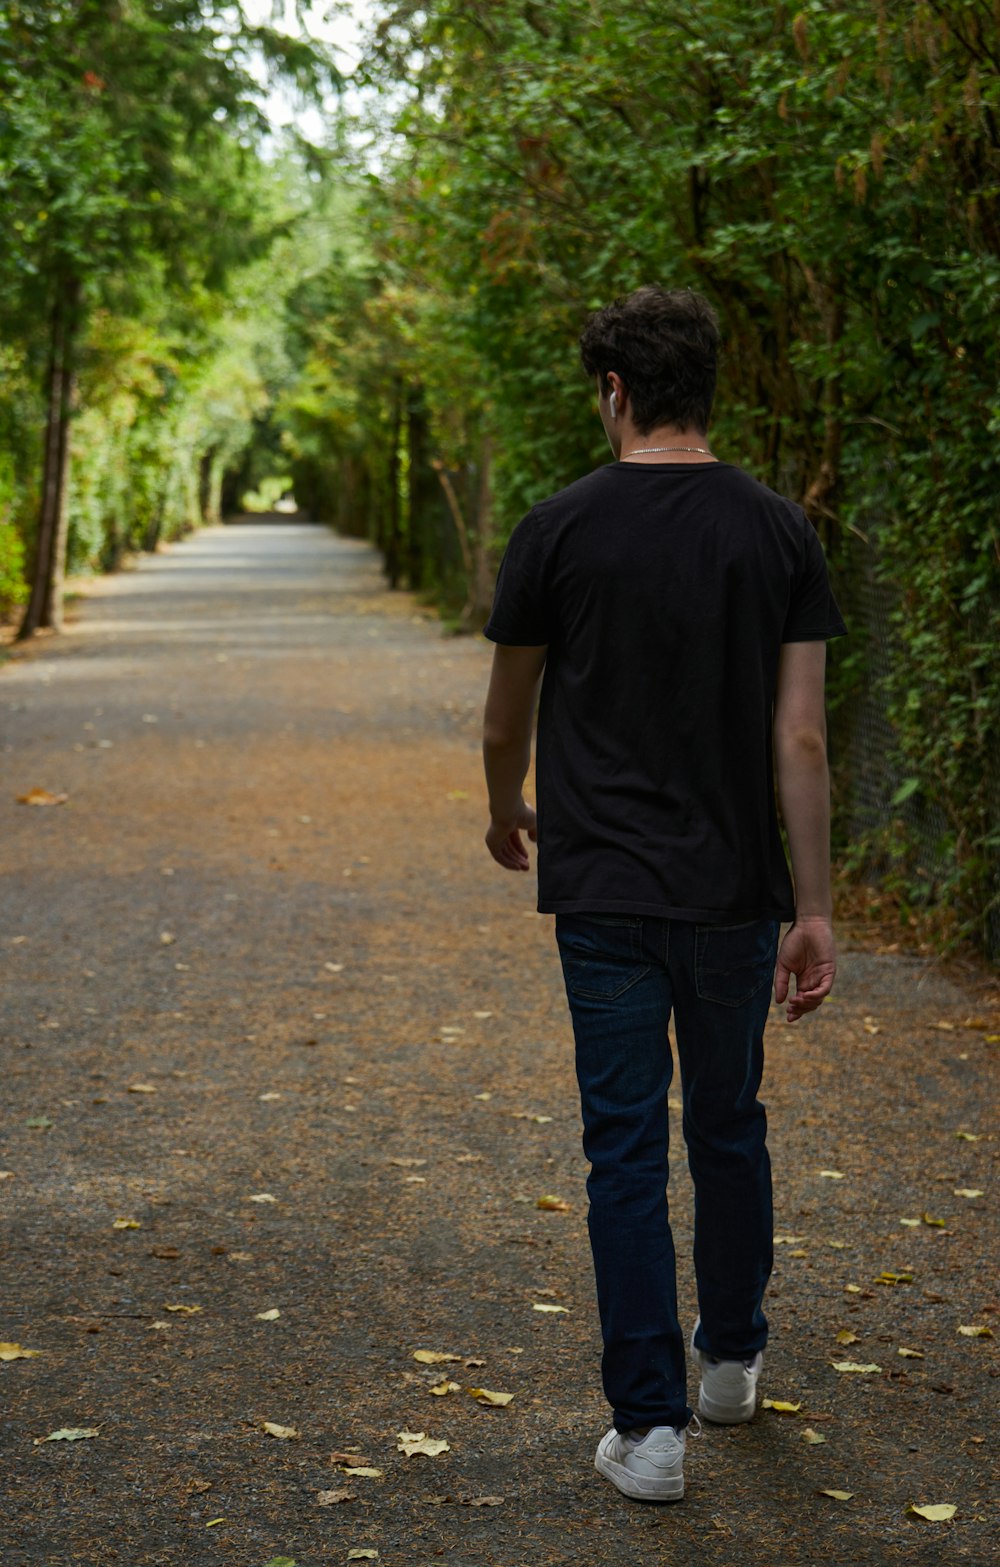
<point x="394" y="540"/>
<point x="479" y="602"/>
<point x="45" y="606"/>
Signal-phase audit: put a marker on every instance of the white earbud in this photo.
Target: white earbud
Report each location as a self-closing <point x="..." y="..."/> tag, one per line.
<point x="614" y="405"/>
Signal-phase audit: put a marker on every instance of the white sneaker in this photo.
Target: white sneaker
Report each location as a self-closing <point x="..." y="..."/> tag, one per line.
<point x="649" y="1468"/>
<point x="728" y="1393"/>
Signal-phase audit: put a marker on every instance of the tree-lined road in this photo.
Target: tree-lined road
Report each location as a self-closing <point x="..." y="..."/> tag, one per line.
<point x="277" y="1036"/>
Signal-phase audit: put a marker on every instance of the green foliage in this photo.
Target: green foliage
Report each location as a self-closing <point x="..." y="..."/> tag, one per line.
<point x="828" y="176"/>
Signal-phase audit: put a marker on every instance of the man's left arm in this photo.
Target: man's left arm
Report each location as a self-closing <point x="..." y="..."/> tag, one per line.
<point x="507" y="724"/>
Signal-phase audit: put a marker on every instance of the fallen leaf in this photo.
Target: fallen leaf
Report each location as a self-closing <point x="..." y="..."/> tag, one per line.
<point x="976" y="1332"/>
<point x="276" y="1561"/>
<point x="361" y="1555"/>
<point x="482" y="1395"/>
<point x="262" y="1197"/>
<point x="893" y="1278"/>
<point x="911" y="1224"/>
<point x="411" y="1442"/>
<point x="934" y="1513"/>
<point x="68" y="1434"/>
<point x="141" y="1088"/>
<point x="434" y="1357"/>
<point x="269" y="1316"/>
<point x="126" y="1224"/>
<point x="525" y="1115"/>
<point x="213" y="1521"/>
<point x="482" y="1501"/>
<point x="440" y="1389"/>
<point x="331" y="1498"/>
<point x="187" y="1311"/>
<point x="542" y="1306"/>
<point x="40" y="1123"/>
<point x="265" y="1097"/>
<point x="852" y="1289"/>
<point x="553" y="1204"/>
<point x="6" y="1175"/>
<point x="788" y="1240"/>
<point x="832" y="1175"/>
<point x="352" y="1457"/>
<point x="969" y="1137"/>
<point x="910" y="1354"/>
<point x="472" y="1364"/>
<point x="853" y="1366"/>
<point x="362" y="1471"/>
<point x="845" y="1336"/>
<point x="967" y="1191"/>
<point x="482" y="1015"/>
<point x="42" y="797"/>
<point x="334" y="968"/>
<point x="935" y="1224"/>
<point x="18" y="1352"/>
<point x="482" y="1096"/>
<point x="838" y="1496"/>
<point x="407" y="1164"/>
<point x="780" y="1407"/>
<point x="286" y="1433"/>
<point x="167" y="938"/>
<point x="812" y="1437"/>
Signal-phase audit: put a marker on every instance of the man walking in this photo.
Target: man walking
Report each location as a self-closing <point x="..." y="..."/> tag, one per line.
<point x="675" y="613"/>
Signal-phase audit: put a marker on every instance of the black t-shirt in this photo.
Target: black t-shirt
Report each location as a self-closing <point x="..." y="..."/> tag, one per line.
<point x="664" y="592"/>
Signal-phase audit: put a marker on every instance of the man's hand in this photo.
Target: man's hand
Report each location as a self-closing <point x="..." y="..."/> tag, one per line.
<point x="504" y="841"/>
<point x="808" y="952"/>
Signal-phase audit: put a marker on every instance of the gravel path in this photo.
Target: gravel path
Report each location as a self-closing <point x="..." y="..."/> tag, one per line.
<point x="287" y="1067"/>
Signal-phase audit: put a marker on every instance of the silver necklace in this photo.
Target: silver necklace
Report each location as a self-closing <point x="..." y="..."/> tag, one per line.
<point x="641" y="450"/>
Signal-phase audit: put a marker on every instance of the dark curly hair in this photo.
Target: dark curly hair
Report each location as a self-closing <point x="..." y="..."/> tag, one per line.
<point x="664" y="344"/>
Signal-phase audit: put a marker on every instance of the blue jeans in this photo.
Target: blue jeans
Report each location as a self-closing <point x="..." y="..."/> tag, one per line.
<point x="624" y="975"/>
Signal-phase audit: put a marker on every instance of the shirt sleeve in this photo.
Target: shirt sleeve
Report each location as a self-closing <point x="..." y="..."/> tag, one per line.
<point x="813" y="615"/>
<point x="521" y="614"/>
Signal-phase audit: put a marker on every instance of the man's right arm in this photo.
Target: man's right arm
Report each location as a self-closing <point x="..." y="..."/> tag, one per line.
<point x="803" y="780"/>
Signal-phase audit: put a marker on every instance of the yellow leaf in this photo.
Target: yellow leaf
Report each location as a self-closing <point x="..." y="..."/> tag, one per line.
<point x="482" y="1015"/>
<point x="969" y="1137"/>
<point x="541" y="1306"/>
<point x="433" y="1357"/>
<point x="780" y="1407"/>
<point x="812" y="1437"/>
<point x="553" y="1204"/>
<point x="262" y="1197"/>
<point x="967" y="1191"/>
<point x="363" y="1471"/>
<point x="334" y="968"/>
<point x="269" y="1316"/>
<point x="852" y="1366"/>
<point x="125" y="1224"/>
<point x="845" y="1336"/>
<point x="18" y="1352"/>
<point x="852" y="1289"/>
<point x="934" y="1513"/>
<point x="213" y="1521"/>
<point x="482" y="1096"/>
<point x="408" y="1164"/>
<point x="68" y="1434"/>
<point x="911" y="1354"/>
<point x="911" y="1224"/>
<point x="482" y="1395"/>
<point x="286" y="1433"/>
<point x="976" y="1332"/>
<point x="788" y="1240"/>
<point x="799" y="1251"/>
<point x="832" y="1175"/>
<point x="141" y="1088"/>
<point x="935" y="1224"/>
<point x="186" y="1311"/>
<point x="894" y="1278"/>
<point x="42" y="797"/>
<point x="440" y="1389"/>
<point x="167" y="938"/>
<point x="838" y="1496"/>
<point x="526" y="1115"/>
<point x="411" y="1442"/>
<point x="362" y="1556"/>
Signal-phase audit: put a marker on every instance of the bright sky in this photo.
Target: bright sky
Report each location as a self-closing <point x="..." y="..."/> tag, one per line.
<point x="339" y="22"/>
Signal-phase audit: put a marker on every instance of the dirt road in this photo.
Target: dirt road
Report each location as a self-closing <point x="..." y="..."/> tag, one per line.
<point x="287" y="1067"/>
